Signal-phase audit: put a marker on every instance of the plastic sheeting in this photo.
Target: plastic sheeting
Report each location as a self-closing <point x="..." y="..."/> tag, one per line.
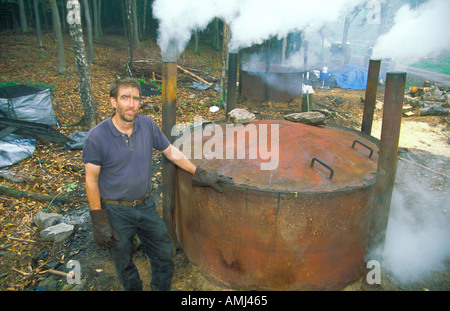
<point x="25" y="103"/>
<point x="28" y="103"/>
<point x="77" y="140"/>
<point x="14" y="149"/>
<point x="351" y="77"/>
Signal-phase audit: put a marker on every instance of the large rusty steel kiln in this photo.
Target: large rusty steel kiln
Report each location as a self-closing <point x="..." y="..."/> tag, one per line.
<point x="303" y="224"/>
<point x="305" y="221"/>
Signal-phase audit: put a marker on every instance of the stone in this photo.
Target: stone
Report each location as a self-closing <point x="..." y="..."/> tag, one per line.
<point x="44" y="220"/>
<point x="310" y="118"/>
<point x="240" y="116"/>
<point x="57" y="233"/>
<point x="206" y="102"/>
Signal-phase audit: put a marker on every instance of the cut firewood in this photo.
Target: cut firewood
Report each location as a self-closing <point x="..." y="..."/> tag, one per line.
<point x="193" y="75"/>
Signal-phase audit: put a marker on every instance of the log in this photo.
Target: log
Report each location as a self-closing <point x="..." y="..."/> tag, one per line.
<point x="21" y="240"/>
<point x="193" y="75"/>
<point x="55" y="272"/>
<point x="178" y="66"/>
<point x="40" y="197"/>
<point x="16" y="179"/>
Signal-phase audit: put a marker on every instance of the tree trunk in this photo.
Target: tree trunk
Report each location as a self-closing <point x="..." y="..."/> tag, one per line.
<point x="124" y="17"/>
<point x="196" y="38"/>
<point x="29" y="13"/>
<point x="344" y="39"/>
<point x="130" y="32"/>
<point x="64" y="14"/>
<point x="216" y="38"/>
<point x="283" y="50"/>
<point x="38" y="23"/>
<point x="135" y="24"/>
<point x="23" y="17"/>
<point x="224" y="63"/>
<point x="90" y="117"/>
<point x="348" y="20"/>
<point x="59" y="37"/>
<point x="45" y="18"/>
<point x="100" y="18"/>
<point x="87" y="16"/>
<point x="96" y="21"/>
<point x="144" y="19"/>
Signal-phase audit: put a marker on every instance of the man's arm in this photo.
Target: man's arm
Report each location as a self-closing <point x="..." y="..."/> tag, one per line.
<point x="104" y="235"/>
<point x="178" y="158"/>
<point x="200" y="177"/>
<point x="92" y="172"/>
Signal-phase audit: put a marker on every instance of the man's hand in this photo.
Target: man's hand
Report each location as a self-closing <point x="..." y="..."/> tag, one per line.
<point x="211" y="179"/>
<point x="104" y="235"/>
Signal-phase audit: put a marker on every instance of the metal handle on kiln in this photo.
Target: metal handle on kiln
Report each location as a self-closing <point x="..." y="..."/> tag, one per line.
<point x="324" y="164"/>
<point x="361" y="143"/>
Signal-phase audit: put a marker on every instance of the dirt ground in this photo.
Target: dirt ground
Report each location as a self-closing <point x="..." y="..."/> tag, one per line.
<point x="423" y="140"/>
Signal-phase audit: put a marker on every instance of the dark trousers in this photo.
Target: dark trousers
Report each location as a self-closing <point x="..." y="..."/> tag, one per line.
<point x="144" y="221"/>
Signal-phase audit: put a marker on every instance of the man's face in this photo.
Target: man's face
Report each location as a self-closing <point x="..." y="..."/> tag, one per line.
<point x="127" y="103"/>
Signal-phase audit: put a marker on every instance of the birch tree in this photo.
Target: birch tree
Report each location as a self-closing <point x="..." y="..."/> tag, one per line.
<point x="90" y="113"/>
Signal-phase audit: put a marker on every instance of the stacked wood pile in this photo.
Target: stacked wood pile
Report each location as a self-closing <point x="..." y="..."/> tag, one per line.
<point x="427" y="100"/>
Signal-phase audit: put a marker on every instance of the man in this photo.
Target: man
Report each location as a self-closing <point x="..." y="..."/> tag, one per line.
<point x="118" y="165"/>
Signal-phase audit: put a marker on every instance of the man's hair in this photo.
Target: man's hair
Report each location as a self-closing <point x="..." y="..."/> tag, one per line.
<point x="125" y="82"/>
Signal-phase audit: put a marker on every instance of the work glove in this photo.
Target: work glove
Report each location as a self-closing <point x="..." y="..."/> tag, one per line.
<point x="104" y="235"/>
<point x="203" y="178"/>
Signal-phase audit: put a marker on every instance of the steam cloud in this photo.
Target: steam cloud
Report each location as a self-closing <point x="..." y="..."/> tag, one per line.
<point x="418" y="33"/>
<point x="418" y="234"/>
<point x="251" y="21"/>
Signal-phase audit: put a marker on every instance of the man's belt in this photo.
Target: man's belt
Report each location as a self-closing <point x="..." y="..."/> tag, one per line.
<point x="134" y="203"/>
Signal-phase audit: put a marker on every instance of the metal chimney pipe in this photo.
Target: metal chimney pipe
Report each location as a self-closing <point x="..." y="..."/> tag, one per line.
<point x="387" y="159"/>
<point x="232" y="79"/>
<point x="169" y="98"/>
<point x="371" y="95"/>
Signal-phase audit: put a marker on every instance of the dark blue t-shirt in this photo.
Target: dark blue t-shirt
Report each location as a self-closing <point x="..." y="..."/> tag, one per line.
<point x="126" y="162"/>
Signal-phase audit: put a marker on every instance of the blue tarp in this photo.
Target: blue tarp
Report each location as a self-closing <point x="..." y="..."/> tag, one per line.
<point x="351" y="77"/>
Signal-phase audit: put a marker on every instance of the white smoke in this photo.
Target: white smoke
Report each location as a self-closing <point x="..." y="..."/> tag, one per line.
<point x="259" y="20"/>
<point x="418" y="235"/>
<point x="251" y="21"/>
<point x="179" y="18"/>
<point x="417" y="33"/>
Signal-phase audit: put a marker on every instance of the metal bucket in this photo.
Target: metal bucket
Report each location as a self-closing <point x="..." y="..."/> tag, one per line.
<point x="303" y="225"/>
